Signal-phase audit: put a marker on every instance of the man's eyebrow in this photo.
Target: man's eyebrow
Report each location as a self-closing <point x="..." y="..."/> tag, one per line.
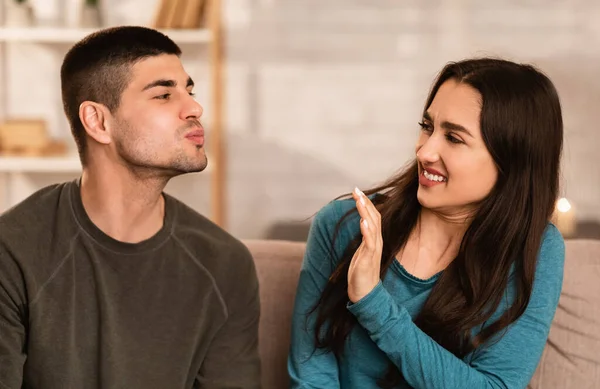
<point x="449" y="125"/>
<point x="167" y="83"/>
<point x="162" y="82"/>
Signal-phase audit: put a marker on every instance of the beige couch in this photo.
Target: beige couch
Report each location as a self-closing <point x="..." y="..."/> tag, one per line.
<point x="571" y="358"/>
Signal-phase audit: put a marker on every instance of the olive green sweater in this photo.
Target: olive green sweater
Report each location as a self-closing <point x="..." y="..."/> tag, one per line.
<point x="79" y="309"/>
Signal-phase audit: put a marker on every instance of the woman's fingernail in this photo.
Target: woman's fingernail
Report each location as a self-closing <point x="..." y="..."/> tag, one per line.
<point x="360" y="194"/>
<point x="365" y="223"/>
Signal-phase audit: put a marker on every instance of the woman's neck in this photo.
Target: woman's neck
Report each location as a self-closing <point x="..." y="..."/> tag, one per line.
<point x="433" y="244"/>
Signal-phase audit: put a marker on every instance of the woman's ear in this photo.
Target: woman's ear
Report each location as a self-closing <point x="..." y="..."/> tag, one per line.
<point x="93" y="117"/>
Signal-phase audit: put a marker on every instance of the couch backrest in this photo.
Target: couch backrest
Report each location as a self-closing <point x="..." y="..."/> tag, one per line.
<point x="571" y="358"/>
<point x="278" y="267"/>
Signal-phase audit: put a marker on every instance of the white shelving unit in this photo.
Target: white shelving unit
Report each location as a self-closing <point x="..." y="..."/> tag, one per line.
<point x="64" y="164"/>
<point x="15" y="172"/>
<point x="72" y="35"/>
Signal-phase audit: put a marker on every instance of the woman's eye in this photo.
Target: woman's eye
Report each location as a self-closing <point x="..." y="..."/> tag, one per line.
<point x="424" y="126"/>
<point x="453" y="139"/>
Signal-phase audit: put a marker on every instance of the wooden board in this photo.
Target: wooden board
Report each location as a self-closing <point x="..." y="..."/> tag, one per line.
<point x="23" y="133"/>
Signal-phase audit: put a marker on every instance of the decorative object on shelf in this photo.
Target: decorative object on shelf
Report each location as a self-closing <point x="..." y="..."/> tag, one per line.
<point x="564" y="218"/>
<point x="18" y="13"/>
<point x="28" y="137"/>
<point x="90" y="14"/>
<point x="73" y="11"/>
<point x="83" y="13"/>
<point x="174" y="14"/>
<point x="48" y="13"/>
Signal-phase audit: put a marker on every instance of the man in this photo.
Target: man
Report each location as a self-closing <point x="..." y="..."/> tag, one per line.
<point x="106" y="281"/>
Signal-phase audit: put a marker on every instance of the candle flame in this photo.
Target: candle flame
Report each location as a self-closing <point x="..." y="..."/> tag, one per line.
<point x="563" y="205"/>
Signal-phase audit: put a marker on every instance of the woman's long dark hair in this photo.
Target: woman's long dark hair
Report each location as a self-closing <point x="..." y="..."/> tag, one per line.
<point x="521" y="125"/>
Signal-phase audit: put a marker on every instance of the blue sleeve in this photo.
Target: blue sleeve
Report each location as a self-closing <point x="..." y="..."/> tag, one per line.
<point x="309" y="367"/>
<point x="507" y="363"/>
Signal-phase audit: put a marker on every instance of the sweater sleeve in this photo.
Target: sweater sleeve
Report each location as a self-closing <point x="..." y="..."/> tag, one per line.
<point x="233" y="360"/>
<point x="506" y="363"/>
<point x="12" y="327"/>
<point x="311" y="368"/>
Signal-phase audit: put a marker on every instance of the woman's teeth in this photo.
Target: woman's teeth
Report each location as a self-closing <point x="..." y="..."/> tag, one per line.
<point x="433" y="177"/>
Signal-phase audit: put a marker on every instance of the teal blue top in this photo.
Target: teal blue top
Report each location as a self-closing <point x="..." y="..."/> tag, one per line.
<point x="386" y="331"/>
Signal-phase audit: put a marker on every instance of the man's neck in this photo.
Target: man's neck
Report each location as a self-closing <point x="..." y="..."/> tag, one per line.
<point x="126" y="208"/>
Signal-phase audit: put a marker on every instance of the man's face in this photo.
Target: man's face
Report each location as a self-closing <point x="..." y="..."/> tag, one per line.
<point x="157" y="127"/>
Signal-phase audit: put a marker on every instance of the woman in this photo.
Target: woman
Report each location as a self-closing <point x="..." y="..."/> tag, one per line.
<point x="449" y="274"/>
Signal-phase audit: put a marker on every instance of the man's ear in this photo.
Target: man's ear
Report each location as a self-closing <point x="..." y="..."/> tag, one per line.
<point x="94" y="117"/>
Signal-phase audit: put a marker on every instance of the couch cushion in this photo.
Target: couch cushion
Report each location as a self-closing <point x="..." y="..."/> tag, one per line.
<point x="278" y="266"/>
<point x="571" y="358"/>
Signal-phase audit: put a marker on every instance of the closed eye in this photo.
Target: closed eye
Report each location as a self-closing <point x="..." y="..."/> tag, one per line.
<point x="425" y="127"/>
<point x="167" y="95"/>
<point x="453" y="139"/>
<point x="428" y="128"/>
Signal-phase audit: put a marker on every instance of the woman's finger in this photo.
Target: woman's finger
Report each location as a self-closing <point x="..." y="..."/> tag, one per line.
<point x="361" y="204"/>
<point x="366" y="219"/>
<point x="370" y="207"/>
<point x="369" y="237"/>
<point x="371" y="216"/>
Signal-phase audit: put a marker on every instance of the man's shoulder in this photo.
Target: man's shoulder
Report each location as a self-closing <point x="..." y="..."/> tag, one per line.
<point x="222" y="255"/>
<point x="35" y="212"/>
<point x="204" y="236"/>
<point x="33" y="235"/>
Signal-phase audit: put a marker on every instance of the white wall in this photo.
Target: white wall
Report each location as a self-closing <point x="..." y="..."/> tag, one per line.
<point x="325" y="95"/>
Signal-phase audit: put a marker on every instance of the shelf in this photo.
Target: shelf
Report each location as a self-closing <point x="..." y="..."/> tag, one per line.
<point x="62" y="164"/>
<point x="72" y="35"/>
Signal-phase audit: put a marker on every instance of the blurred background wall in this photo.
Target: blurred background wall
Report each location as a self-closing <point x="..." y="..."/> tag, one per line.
<point x="323" y="96"/>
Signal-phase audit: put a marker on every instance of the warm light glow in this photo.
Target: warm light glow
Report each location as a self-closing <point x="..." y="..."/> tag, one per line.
<point x="563" y="205"/>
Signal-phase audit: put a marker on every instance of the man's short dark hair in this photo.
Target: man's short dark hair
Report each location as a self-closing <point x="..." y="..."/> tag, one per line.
<point x="98" y="69"/>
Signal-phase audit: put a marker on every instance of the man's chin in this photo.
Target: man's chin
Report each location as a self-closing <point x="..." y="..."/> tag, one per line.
<point x="192" y="167"/>
<point x="197" y="169"/>
<point x="177" y="169"/>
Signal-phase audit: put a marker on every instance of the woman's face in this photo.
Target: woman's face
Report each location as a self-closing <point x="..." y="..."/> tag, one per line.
<point x="456" y="171"/>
